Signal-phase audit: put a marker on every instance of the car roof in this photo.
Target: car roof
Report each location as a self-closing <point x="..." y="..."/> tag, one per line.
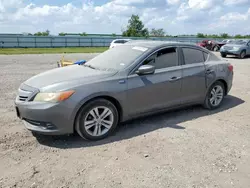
<point x="154" y="44"/>
<point x="121" y="39"/>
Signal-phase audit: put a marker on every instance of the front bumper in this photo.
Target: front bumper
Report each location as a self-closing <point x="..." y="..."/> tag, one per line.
<point x="45" y="118"/>
<point x="230" y="52"/>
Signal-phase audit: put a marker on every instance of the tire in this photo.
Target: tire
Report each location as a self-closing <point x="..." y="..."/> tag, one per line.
<point x="97" y="128"/>
<point x="219" y="88"/>
<point x="223" y="55"/>
<point x="242" y="54"/>
<point x="216" y="49"/>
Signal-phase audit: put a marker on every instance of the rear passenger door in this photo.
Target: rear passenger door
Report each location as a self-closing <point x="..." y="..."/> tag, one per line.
<point x="193" y="74"/>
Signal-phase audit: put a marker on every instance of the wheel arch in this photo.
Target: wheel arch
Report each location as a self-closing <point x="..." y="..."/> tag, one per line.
<point x="112" y="99"/>
<point x="223" y="81"/>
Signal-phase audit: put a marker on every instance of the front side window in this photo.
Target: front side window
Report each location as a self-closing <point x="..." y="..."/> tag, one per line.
<point x="164" y="58"/>
<point x="192" y="56"/>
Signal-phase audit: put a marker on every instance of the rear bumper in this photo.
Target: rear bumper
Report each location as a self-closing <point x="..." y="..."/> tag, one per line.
<point x="45" y="118"/>
<point x="230" y="82"/>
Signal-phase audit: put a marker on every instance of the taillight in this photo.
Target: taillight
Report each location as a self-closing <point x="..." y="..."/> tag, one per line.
<point x="230" y="68"/>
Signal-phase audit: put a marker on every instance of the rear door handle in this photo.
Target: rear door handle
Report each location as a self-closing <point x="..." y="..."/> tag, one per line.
<point x="209" y="71"/>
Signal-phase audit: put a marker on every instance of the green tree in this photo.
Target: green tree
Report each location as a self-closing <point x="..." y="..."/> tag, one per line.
<point x="200" y="35"/>
<point x="157" y="32"/>
<point x="83" y="34"/>
<point x="239" y="36"/>
<point x="62" y="34"/>
<point x="135" y="28"/>
<point x="45" y="33"/>
<point x="38" y="34"/>
<point x="224" y="35"/>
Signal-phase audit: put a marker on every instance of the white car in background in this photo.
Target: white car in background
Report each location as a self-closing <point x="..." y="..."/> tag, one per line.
<point x="118" y="42"/>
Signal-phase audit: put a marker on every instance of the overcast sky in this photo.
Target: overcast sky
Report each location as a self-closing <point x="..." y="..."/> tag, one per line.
<point x="110" y="16"/>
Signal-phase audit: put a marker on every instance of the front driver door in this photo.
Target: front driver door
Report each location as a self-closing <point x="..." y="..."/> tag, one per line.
<point x="159" y="90"/>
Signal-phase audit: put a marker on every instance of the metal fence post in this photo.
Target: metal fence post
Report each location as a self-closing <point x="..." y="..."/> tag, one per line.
<point x="17" y="42"/>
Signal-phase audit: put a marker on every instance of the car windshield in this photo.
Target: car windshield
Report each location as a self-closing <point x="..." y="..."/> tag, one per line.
<point x="240" y="42"/>
<point x="117" y="58"/>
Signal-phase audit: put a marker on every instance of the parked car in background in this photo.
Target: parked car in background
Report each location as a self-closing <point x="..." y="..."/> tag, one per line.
<point x="239" y="48"/>
<point x="226" y="41"/>
<point x="211" y="45"/>
<point x="118" y="42"/>
<point x="63" y="62"/>
<point x="122" y="83"/>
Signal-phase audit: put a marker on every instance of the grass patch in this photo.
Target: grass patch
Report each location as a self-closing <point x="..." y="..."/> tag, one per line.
<point x="10" y="51"/>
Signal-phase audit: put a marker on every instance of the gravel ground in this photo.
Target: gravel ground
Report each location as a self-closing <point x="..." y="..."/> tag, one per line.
<point x="191" y="147"/>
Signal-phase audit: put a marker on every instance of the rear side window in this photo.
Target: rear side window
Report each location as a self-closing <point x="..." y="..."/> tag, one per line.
<point x="192" y="56"/>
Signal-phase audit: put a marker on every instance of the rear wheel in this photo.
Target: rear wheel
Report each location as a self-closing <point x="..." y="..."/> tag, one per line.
<point x="215" y="96"/>
<point x="242" y="54"/>
<point x="97" y="120"/>
<point x="216" y="48"/>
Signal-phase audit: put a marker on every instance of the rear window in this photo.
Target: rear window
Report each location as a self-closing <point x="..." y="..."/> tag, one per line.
<point x="119" y="41"/>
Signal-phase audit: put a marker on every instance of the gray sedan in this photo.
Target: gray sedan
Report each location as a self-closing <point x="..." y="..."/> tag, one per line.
<point x="135" y="79"/>
<point x="239" y="48"/>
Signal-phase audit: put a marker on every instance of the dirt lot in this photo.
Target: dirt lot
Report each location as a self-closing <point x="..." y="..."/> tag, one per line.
<point x="186" y="148"/>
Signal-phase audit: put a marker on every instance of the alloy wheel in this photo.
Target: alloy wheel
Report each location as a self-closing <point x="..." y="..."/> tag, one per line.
<point x="98" y="121"/>
<point x="216" y="95"/>
<point x="243" y="54"/>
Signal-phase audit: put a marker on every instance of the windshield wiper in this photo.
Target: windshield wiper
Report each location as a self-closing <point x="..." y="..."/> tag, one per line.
<point x="90" y="66"/>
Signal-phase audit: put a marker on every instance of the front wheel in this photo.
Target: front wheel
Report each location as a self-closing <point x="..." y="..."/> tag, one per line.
<point x="223" y="55"/>
<point x="242" y="54"/>
<point x="215" y="96"/>
<point x="97" y="120"/>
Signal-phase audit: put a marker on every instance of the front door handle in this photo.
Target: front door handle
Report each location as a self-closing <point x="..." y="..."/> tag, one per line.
<point x="174" y="78"/>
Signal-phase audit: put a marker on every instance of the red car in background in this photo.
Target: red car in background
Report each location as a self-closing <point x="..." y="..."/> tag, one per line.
<point x="211" y="45"/>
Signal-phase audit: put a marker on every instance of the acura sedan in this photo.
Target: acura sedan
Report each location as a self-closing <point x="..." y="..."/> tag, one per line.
<point x="135" y="79"/>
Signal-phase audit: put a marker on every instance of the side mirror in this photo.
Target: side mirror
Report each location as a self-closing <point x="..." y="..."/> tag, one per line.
<point x="145" y="69"/>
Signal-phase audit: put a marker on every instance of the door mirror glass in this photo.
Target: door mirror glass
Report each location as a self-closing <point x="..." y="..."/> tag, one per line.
<point x="145" y="69"/>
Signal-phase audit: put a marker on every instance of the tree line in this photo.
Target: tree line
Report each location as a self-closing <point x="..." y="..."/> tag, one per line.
<point x="136" y="28"/>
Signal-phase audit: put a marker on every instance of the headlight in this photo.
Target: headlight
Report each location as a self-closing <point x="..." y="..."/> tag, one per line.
<point x="53" y="97"/>
<point x="236" y="48"/>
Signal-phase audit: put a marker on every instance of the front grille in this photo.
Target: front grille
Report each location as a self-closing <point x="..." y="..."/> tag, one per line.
<point x="26" y="93"/>
<point x="23" y="98"/>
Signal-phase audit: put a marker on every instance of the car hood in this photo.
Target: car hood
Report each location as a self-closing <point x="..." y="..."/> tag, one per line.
<point x="234" y="45"/>
<point x="66" y="74"/>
